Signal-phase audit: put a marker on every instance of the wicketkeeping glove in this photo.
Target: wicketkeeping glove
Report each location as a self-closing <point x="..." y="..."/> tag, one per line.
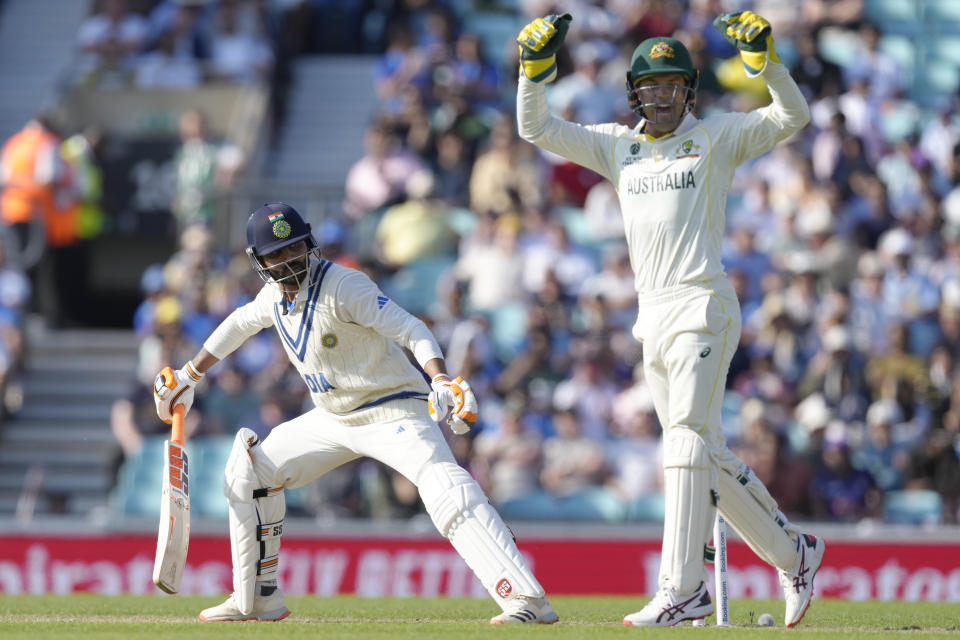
<point x="454" y="401"/>
<point x="539" y="42"/>
<point x="175" y="387"/>
<point x="751" y="34"/>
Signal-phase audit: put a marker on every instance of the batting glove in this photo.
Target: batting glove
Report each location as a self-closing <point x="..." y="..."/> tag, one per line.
<point x="453" y="401"/>
<point x="539" y="42"/>
<point x="175" y="387"/>
<point x="751" y="34"/>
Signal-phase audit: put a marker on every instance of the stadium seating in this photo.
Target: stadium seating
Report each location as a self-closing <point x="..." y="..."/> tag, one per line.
<point x="647" y="508"/>
<point x="140" y="481"/>
<point x="942" y="12"/>
<point x="886" y="11"/>
<point x="414" y="286"/>
<point x="913" y="506"/>
<point x="508" y="327"/>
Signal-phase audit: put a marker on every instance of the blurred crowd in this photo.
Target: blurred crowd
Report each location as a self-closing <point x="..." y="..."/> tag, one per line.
<point x="843" y="244"/>
<point x="176" y="44"/>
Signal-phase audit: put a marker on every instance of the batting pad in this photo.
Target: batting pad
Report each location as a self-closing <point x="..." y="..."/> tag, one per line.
<point x="689" y="510"/>
<point x="750" y="509"/>
<point x="462" y="513"/>
<point x="256" y="521"/>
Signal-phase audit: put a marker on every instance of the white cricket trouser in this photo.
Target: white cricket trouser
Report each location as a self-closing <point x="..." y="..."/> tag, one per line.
<point x="305" y="448"/>
<point x="689" y="335"/>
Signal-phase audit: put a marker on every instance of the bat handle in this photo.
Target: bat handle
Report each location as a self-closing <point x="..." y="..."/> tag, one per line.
<point x="177" y="432"/>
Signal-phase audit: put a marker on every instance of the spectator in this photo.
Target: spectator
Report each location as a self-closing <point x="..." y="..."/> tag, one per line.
<point x="451" y="169"/>
<point x="883" y="71"/>
<point x="635" y="453"/>
<point x="163" y="68"/>
<point x="897" y="362"/>
<point x="506" y="460"/>
<point x="934" y="466"/>
<point x="572" y="463"/>
<point x="380" y="177"/>
<point x="885" y="460"/>
<point x="570" y="263"/>
<point x="203" y="171"/>
<point x="868" y="313"/>
<point x="109" y="41"/>
<point x="580" y="95"/>
<point x="416" y="228"/>
<point x="505" y="178"/>
<point x="588" y="391"/>
<point x="471" y="71"/>
<point x="743" y="255"/>
<point x="239" y="52"/>
<point x="40" y="193"/>
<point x="488" y="262"/>
<point x="840" y="492"/>
<point x="836" y="372"/>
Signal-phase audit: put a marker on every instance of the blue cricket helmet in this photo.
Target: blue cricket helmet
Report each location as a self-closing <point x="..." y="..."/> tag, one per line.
<point x="274" y="226"/>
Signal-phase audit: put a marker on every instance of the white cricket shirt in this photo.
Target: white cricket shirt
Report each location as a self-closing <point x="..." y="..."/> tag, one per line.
<point x="343" y="335"/>
<point x="672" y="190"/>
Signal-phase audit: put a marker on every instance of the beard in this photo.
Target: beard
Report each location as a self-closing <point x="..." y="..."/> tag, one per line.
<point x="291" y="274"/>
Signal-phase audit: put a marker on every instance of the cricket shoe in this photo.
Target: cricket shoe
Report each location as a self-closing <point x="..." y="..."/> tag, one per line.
<point x="269" y="605"/>
<point x="798" y="583"/>
<point x="669" y="608"/>
<point x="526" y="610"/>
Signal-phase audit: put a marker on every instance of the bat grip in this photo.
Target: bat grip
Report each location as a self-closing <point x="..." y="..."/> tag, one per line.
<point x="176" y="434"/>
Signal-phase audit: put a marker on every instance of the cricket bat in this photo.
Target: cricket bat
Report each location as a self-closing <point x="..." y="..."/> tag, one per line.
<point x="174" y="535"/>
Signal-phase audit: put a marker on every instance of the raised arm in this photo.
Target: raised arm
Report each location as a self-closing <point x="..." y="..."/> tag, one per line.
<point x="590" y="147"/>
<point x="788" y="111"/>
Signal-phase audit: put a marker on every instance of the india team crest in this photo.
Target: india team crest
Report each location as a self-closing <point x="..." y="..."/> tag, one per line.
<point x="329" y="340"/>
<point x="281" y="229"/>
<point x="660" y="50"/>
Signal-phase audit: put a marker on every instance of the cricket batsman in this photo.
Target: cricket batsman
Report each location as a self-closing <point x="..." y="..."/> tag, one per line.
<point x="344" y="337"/>
<point x="672" y="172"/>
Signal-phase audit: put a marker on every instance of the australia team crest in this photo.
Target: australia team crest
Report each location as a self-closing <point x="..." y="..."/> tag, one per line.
<point x="661" y="50"/>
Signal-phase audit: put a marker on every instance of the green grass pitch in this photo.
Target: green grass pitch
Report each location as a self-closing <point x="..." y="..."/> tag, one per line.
<point x="153" y="617"/>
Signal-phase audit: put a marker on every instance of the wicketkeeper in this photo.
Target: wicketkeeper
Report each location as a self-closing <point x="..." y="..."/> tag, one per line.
<point x="344" y="337"/>
<point x="672" y="172"/>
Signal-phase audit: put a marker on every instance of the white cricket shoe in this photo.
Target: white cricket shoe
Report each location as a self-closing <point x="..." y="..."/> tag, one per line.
<point x="526" y="610"/>
<point x="271" y="607"/>
<point x="798" y="583"/>
<point x="669" y="608"/>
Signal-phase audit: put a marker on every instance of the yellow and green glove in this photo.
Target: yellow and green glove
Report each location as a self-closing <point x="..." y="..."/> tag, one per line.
<point x="539" y="42"/>
<point x="751" y="34"/>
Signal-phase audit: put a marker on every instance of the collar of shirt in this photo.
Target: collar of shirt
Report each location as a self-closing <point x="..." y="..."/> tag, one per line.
<point x="688" y="122"/>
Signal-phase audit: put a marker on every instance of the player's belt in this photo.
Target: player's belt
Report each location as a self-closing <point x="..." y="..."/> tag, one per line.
<point x="403" y="395"/>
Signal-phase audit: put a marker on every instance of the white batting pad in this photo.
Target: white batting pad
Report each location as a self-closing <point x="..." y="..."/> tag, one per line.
<point x="256" y="521"/>
<point x="750" y="509"/>
<point x="462" y="513"/>
<point x="689" y="511"/>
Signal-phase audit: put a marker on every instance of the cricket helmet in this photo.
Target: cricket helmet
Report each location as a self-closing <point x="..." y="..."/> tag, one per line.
<point x="272" y="227"/>
<point x="661" y="56"/>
